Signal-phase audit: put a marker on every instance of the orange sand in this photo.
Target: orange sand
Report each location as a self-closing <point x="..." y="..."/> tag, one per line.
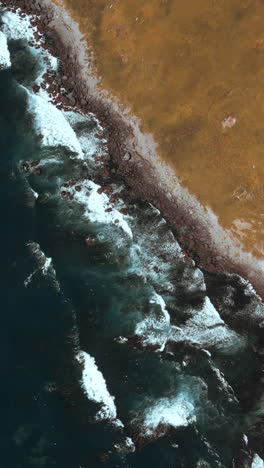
<point x="182" y="68"/>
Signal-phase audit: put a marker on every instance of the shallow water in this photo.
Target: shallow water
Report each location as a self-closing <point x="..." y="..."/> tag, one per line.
<point x="94" y="294"/>
<point x="184" y="69"/>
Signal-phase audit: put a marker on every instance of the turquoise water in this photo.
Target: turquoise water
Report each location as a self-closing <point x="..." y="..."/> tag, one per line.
<point x="100" y="292"/>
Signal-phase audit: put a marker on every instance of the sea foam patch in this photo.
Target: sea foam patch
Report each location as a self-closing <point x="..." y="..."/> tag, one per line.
<point x="95" y="387"/>
<point x="206" y="329"/>
<point x="51" y="125"/>
<point x="155" y="328"/>
<point x="176" y="412"/>
<point x="44" y="265"/>
<point x="257" y="462"/>
<point x="16" y="27"/>
<point x="5" y="61"/>
<point x="87" y="127"/>
<point x="154" y="251"/>
<point x="98" y="208"/>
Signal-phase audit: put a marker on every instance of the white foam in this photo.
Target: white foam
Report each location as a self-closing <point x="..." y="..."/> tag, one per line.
<point x="152" y="253"/>
<point x="144" y="259"/>
<point x="50" y="160"/>
<point x="126" y="446"/>
<point x="130" y="444"/>
<point x="55" y="129"/>
<point x="155" y="328"/>
<point x="249" y="290"/>
<point x="206" y="328"/>
<point x="35" y="194"/>
<point x="257" y="462"/>
<point x="117" y="423"/>
<point x="207" y="316"/>
<point x="90" y="144"/>
<point x="49" y="122"/>
<point x="47" y="265"/>
<point x="16" y="27"/>
<point x="202" y="464"/>
<point x="28" y="279"/>
<point x="96" y="205"/>
<point x="95" y="387"/>
<point x="48" y="64"/>
<point x="51" y="125"/>
<point x="121" y="340"/>
<point x="44" y="264"/>
<point x="224" y="385"/>
<point x="5" y="61"/>
<point x="176" y="412"/>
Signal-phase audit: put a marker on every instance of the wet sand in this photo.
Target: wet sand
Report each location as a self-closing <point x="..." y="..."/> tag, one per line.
<point x="133" y="157"/>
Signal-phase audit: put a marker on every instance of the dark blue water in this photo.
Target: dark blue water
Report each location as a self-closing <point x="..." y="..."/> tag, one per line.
<point x="46" y="420"/>
<point x="34" y="320"/>
<point x="41" y="422"/>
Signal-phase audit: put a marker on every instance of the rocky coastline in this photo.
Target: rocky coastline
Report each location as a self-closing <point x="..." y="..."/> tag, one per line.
<point x="132" y="157"/>
<point x="128" y="164"/>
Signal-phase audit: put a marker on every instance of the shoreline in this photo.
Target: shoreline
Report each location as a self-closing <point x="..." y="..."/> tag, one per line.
<point x="191" y="332"/>
<point x="133" y="156"/>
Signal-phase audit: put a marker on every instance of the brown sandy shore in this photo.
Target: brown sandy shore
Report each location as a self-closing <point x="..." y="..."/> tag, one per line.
<point x="132" y="154"/>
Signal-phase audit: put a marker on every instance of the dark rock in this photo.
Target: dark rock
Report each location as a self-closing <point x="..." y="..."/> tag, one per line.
<point x="25" y="167"/>
<point x="89" y="240"/>
<point x="65" y="194"/>
<point x="124" y="211"/>
<point x="36" y="88"/>
<point x="37" y="171"/>
<point x="108" y="189"/>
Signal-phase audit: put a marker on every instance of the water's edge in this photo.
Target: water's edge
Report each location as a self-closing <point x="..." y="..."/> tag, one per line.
<point x="172" y="342"/>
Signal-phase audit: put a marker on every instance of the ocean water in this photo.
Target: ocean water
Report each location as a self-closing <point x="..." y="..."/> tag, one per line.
<point x="112" y="352"/>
